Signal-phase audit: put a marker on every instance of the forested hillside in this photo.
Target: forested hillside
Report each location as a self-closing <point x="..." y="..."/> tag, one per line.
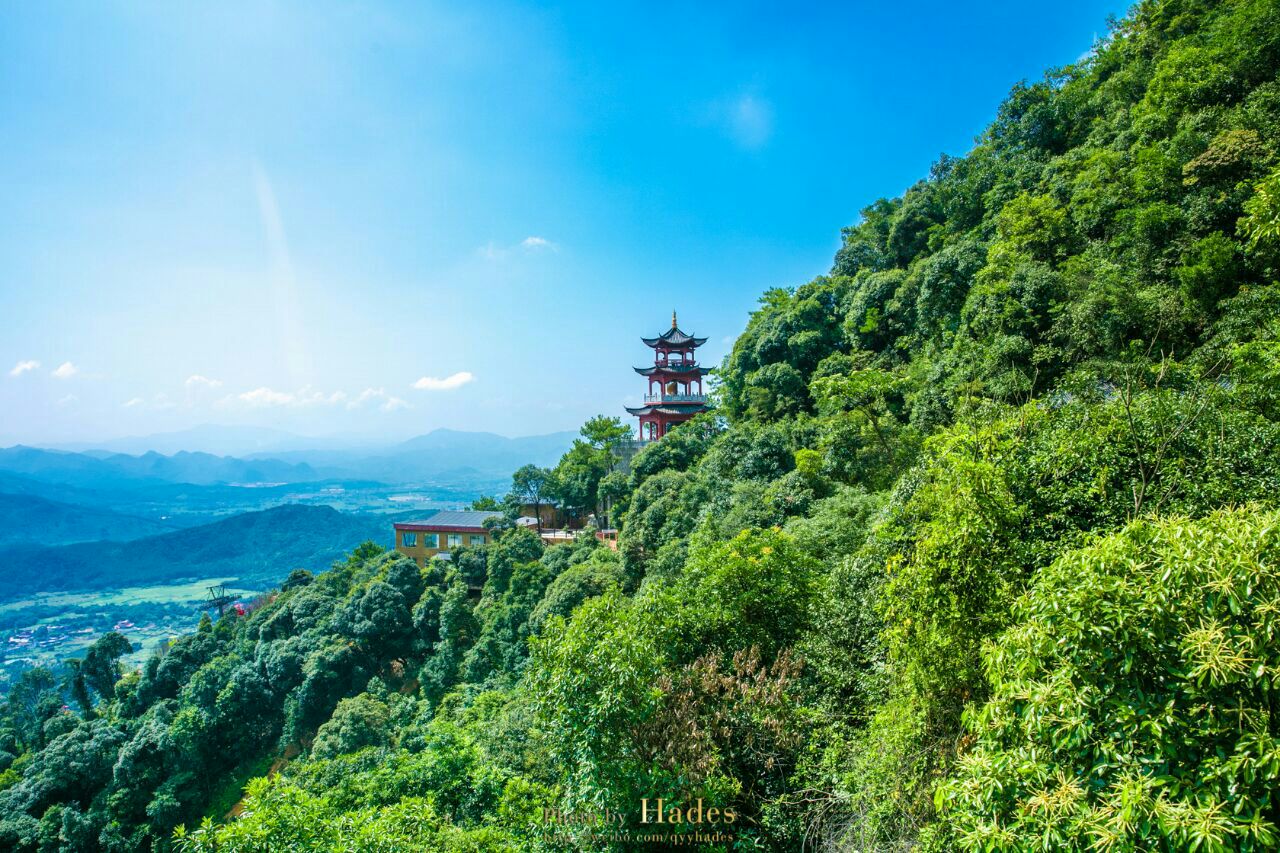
<point x="32" y="520"/>
<point x="256" y="547"/>
<point x="980" y="550"/>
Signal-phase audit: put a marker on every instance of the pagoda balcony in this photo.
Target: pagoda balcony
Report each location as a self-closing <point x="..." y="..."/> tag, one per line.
<point x="675" y="398"/>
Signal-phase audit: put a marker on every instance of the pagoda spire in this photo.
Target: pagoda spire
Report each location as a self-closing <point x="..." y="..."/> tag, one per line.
<point x="673" y="318"/>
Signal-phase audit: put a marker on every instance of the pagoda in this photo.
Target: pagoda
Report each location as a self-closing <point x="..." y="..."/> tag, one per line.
<point x="675" y="383"/>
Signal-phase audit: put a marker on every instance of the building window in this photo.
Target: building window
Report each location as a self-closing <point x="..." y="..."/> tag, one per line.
<point x="409" y="540"/>
<point x="475" y="540"/>
<point x="431" y="540"/>
<point x="455" y="540"/>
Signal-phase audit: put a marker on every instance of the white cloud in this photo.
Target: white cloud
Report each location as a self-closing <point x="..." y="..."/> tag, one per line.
<point x="68" y="400"/>
<point x="65" y="370"/>
<point x="494" y="251"/>
<point x="394" y="403"/>
<point x="267" y="397"/>
<point x="262" y="397"/>
<point x="198" y="385"/>
<point x="752" y="121"/>
<point x="23" y="366"/>
<point x="160" y="402"/>
<point x="431" y="383"/>
<point x="307" y="396"/>
<point x="534" y="244"/>
<point x="747" y="118"/>
<point x="197" y="381"/>
<point x="387" y="403"/>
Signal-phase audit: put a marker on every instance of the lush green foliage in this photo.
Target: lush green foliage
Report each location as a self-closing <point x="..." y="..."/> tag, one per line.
<point x="1133" y="703"/>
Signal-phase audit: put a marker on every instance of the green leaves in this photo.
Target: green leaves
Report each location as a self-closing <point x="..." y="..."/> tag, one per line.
<point x="1262" y="220"/>
<point x="1138" y="677"/>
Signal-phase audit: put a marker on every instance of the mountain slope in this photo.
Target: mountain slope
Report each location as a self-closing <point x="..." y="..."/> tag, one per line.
<point x="254" y="546"/>
<point x="442" y="455"/>
<point x="86" y="470"/>
<point x="31" y="520"/>
<point x="479" y="461"/>
<point x="218" y="439"/>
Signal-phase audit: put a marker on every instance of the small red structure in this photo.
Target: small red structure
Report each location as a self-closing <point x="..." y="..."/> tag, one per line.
<point x="675" y="383"/>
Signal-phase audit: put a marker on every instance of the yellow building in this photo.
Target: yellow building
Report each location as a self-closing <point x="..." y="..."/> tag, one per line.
<point x="442" y="533"/>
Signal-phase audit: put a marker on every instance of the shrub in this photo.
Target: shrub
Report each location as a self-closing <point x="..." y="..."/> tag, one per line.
<point x="1133" y="700"/>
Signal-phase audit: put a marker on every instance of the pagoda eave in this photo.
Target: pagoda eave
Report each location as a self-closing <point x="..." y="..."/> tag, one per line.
<point x="680" y="340"/>
<point x="673" y="370"/>
<point x="668" y="409"/>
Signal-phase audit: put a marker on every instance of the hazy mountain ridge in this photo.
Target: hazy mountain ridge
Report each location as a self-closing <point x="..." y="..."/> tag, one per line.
<point x="253" y="546"/>
<point x="90" y="471"/>
<point x="216" y="439"/>
<point x="451" y="456"/>
<point x="442" y="454"/>
<point x="31" y="520"/>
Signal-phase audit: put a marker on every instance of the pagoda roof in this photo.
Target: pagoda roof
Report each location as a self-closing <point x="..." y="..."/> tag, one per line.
<point x="668" y="409"/>
<point x="674" y="337"/>
<point x="677" y="369"/>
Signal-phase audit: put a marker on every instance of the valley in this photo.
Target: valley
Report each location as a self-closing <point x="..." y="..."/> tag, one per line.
<point x="94" y="540"/>
<point x="45" y="629"/>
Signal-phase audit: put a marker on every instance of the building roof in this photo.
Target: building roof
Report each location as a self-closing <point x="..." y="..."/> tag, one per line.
<point x="673" y="337"/>
<point x="452" y="520"/>
<point x="668" y="409"/>
<point x="676" y="369"/>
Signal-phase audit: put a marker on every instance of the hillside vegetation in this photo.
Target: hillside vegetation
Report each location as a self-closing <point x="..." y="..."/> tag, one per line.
<point x="31" y="520"/>
<point x="977" y="552"/>
<point x="256" y="547"/>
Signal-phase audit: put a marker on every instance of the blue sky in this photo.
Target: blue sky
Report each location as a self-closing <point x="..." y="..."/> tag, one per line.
<point x="379" y="219"/>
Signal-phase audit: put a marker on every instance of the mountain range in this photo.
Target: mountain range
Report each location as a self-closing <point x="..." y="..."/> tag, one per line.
<point x="26" y="519"/>
<point x="256" y="547"/>
<point x="94" y="470"/>
<point x="96" y="517"/>
<point x="217" y="439"/>
<point x="443" y="455"/>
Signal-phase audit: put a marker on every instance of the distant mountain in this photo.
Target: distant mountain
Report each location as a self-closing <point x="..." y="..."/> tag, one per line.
<point x="453" y="440"/>
<point x="17" y="484"/>
<point x="442" y="456"/>
<point x="91" y="471"/>
<point x="29" y="520"/>
<point x="467" y="462"/>
<point x="257" y="547"/>
<point x="484" y="453"/>
<point x="217" y="439"/>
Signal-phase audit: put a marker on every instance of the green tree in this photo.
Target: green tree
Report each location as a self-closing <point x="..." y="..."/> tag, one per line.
<point x="356" y="722"/>
<point x="1131" y="700"/>
<point x="533" y="485"/>
<point x="604" y="433"/>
